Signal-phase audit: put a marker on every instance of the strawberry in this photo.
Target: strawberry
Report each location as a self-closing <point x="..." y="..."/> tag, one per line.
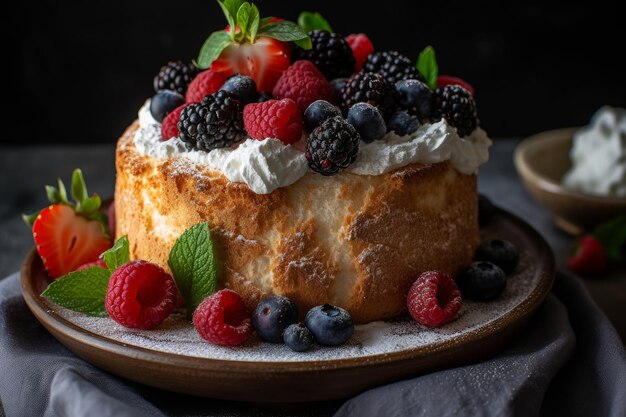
<point x="589" y="257"/>
<point x="67" y="234"/>
<point x="361" y="47"/>
<point x="258" y="48"/>
<point x="444" y="80"/>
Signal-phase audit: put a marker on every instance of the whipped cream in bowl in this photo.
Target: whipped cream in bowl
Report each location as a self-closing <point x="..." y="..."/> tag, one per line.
<point x="268" y="164"/>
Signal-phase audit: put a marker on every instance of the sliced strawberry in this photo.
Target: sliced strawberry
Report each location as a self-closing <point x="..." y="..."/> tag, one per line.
<point x="66" y="240"/>
<point x="264" y="61"/>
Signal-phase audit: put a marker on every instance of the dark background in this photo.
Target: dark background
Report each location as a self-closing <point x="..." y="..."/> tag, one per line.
<point x="79" y="71"/>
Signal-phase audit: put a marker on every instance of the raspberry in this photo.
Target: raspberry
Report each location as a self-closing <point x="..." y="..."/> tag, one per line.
<point x="169" y="127"/>
<point x="205" y="83"/>
<point x="99" y="262"/>
<point x="433" y="299"/>
<point x="303" y="83"/>
<point x="280" y="119"/>
<point x="223" y="319"/>
<point x="361" y="48"/>
<point x="141" y="295"/>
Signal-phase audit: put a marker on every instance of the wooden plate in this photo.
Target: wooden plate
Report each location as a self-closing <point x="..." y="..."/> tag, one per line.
<point x="306" y="380"/>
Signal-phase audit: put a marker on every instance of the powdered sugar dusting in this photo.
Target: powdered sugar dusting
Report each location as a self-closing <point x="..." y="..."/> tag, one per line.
<point x="178" y="336"/>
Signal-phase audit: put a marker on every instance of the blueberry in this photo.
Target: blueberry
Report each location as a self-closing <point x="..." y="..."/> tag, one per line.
<point x="298" y="338"/>
<point x="368" y="121"/>
<point x="329" y="325"/>
<point x="163" y="103"/>
<point x="482" y="281"/>
<point x="272" y="316"/>
<point x="402" y="123"/>
<point x="242" y="87"/>
<point x="318" y="112"/>
<point x="263" y="96"/>
<point x="416" y="98"/>
<point x="500" y="252"/>
<point x="338" y="84"/>
<point x="486" y="210"/>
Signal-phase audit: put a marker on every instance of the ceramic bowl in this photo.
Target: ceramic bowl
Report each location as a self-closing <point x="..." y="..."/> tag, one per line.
<point x="541" y="161"/>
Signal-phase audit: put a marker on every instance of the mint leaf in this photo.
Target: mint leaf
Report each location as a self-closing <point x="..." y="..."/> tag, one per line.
<point x="312" y="20"/>
<point x="427" y="66"/>
<point x="253" y="26"/>
<point x="265" y="20"/>
<point x="287" y="32"/>
<point x="194" y="264"/>
<point x="243" y="18"/>
<point x="612" y="235"/>
<point x="82" y="291"/>
<point x="118" y="255"/>
<point x="230" y="8"/>
<point x="212" y="48"/>
<point x="79" y="189"/>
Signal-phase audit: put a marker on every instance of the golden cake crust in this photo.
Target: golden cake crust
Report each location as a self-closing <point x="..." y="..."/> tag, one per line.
<point x="351" y="240"/>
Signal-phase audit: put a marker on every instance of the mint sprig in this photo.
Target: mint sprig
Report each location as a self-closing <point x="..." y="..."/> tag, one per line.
<point x="427" y="66"/>
<point x="287" y="32"/>
<point x="194" y="264"/>
<point x="309" y="21"/>
<point x="118" y="255"/>
<point x="612" y="235"/>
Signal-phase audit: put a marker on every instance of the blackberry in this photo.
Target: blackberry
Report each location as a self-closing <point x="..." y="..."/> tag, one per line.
<point x="332" y="146"/>
<point x="455" y="104"/>
<point x="175" y="76"/>
<point x="371" y="88"/>
<point x="330" y="53"/>
<point x="216" y="122"/>
<point x="263" y="96"/>
<point x="392" y="65"/>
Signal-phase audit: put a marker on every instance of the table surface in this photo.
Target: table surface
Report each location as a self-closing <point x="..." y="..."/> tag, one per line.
<point x="25" y="171"/>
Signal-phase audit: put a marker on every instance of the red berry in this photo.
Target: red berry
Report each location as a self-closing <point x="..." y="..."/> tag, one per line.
<point x="280" y="119"/>
<point x="141" y="295"/>
<point x="100" y="263"/>
<point x="444" y="80"/>
<point x="223" y="319"/>
<point x="169" y="127"/>
<point x="205" y="83"/>
<point x="303" y="83"/>
<point x="589" y="258"/>
<point x="361" y="48"/>
<point x="434" y="299"/>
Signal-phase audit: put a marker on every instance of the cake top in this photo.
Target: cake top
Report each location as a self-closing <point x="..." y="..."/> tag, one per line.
<point x="268" y="101"/>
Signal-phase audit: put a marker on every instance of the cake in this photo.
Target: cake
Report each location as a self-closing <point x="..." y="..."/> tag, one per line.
<point x="355" y="236"/>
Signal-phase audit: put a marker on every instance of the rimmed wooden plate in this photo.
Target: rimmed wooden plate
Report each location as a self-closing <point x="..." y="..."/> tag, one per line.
<point x="297" y="381"/>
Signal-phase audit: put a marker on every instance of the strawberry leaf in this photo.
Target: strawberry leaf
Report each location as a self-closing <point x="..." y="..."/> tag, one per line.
<point x="91" y="204"/>
<point x="243" y="19"/>
<point x="312" y="20"/>
<point x="212" y="48"/>
<point x="230" y="8"/>
<point x="53" y="194"/>
<point x="63" y="194"/>
<point x="79" y="189"/>
<point x="118" y="255"/>
<point x="287" y="32"/>
<point x="427" y="66"/>
<point x="29" y="219"/>
<point x="253" y="27"/>
<point x="81" y="291"/>
<point x="612" y="235"/>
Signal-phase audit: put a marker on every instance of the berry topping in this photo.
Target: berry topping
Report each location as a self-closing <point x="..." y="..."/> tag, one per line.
<point x="330" y="53"/>
<point x="368" y="121"/>
<point x="338" y="84"/>
<point x="140" y="295"/>
<point x="216" y="122"/>
<point x="242" y="87"/>
<point x="169" y="127"/>
<point x="280" y="119"/>
<point x="444" y="80"/>
<point x="392" y="65"/>
<point x="433" y="299"/>
<point x="318" y="112"/>
<point x="205" y="83"/>
<point x="298" y="338"/>
<point x="482" y="281"/>
<point x="329" y="325"/>
<point x="457" y="106"/>
<point x="67" y="234"/>
<point x="163" y="103"/>
<point x="99" y="263"/>
<point x="486" y="210"/>
<point x="361" y="47"/>
<point x="175" y="76"/>
<point x="332" y="146"/>
<point x="589" y="257"/>
<point x="416" y="98"/>
<point x="402" y="123"/>
<point x="303" y="83"/>
<point x="370" y="88"/>
<point x="272" y="316"/>
<point x="223" y="319"/>
<point x="500" y="252"/>
<point x="263" y="96"/>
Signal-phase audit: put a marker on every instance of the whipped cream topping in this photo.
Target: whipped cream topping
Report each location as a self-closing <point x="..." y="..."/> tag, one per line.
<point x="598" y="155"/>
<point x="268" y="164"/>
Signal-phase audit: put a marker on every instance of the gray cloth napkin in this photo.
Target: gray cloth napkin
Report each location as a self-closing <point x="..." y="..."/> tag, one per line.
<point x="567" y="361"/>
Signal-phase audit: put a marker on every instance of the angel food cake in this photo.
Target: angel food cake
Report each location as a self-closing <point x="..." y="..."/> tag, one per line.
<point x="328" y="172"/>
